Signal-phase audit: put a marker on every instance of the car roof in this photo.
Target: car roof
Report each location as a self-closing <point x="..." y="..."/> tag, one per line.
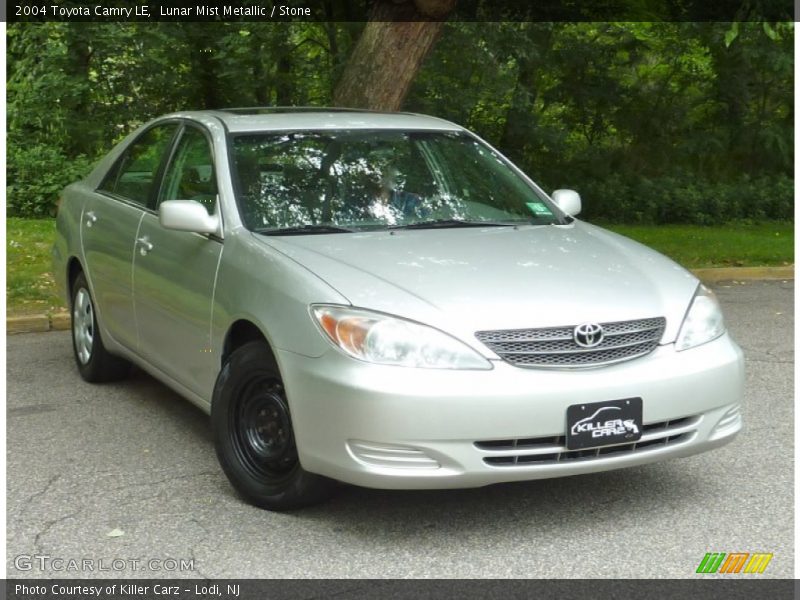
<point x="252" y="119"/>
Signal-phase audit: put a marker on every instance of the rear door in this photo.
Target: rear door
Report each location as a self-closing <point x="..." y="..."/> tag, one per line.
<point x="175" y="271"/>
<point x="109" y="224"/>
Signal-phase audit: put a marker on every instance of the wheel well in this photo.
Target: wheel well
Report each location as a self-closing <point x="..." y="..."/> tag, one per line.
<point x="73" y="269"/>
<point x="239" y="334"/>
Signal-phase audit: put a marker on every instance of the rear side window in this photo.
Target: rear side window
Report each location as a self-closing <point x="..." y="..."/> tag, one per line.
<point x="134" y="174"/>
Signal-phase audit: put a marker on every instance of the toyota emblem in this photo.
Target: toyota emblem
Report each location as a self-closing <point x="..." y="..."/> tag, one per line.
<point x="588" y="335"/>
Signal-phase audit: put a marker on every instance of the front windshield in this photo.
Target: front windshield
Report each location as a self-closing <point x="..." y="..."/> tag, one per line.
<point x="362" y="180"/>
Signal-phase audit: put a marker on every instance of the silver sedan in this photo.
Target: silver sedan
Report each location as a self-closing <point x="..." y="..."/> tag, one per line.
<point x="384" y="300"/>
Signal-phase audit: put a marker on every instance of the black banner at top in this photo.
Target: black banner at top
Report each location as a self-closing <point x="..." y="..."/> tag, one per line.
<point x="402" y="10"/>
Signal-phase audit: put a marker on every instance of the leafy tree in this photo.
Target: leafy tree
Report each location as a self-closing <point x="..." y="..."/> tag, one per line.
<point x="652" y="122"/>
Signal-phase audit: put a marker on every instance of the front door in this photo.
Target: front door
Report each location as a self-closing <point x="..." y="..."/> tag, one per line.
<point x="109" y="224"/>
<point x="174" y="273"/>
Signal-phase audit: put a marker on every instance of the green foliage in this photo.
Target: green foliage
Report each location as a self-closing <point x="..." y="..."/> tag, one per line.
<point x="652" y="122"/>
<point x="36" y="174"/>
<point x="620" y="199"/>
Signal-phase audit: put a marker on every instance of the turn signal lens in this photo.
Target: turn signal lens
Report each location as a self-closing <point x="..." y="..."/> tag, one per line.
<point x="703" y="321"/>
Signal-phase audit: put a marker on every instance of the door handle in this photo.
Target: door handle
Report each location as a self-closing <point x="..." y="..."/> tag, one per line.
<point x="144" y="245"/>
<point x="91" y="218"/>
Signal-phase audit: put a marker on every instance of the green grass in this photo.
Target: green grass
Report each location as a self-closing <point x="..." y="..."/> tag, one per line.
<point x="733" y="245"/>
<point x="29" y="278"/>
<point x="31" y="289"/>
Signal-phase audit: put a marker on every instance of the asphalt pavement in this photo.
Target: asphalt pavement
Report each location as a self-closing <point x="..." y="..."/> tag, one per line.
<point x="103" y="479"/>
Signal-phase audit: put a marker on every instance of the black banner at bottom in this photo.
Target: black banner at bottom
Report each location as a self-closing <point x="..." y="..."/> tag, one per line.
<point x="306" y="589"/>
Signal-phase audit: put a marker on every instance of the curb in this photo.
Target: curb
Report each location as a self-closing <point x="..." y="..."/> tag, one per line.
<point x="61" y="321"/>
<point x="718" y="274"/>
<point x="38" y="323"/>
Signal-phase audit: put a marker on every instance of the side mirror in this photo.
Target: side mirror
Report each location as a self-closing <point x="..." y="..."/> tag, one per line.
<point x="569" y="201"/>
<point x="187" y="215"/>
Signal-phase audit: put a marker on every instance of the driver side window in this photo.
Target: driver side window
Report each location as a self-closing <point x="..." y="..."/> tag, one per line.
<point x="190" y="174"/>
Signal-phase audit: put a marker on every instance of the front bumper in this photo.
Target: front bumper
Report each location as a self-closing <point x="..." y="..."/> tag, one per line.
<point x="401" y="428"/>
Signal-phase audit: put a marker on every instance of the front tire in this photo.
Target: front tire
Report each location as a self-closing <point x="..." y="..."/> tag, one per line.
<point x="253" y="434"/>
<point x="95" y="363"/>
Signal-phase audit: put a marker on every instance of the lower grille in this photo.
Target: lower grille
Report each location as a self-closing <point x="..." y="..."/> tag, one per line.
<point x="552" y="450"/>
<point x="555" y="347"/>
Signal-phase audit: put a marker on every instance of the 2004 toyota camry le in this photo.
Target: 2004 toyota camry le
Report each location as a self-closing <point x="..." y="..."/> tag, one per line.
<point x="383" y="299"/>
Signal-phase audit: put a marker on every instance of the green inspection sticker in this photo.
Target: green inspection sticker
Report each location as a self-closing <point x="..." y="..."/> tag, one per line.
<point x="539" y="208"/>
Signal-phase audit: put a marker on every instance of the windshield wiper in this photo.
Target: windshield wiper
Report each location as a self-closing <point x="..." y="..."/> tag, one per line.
<point x="445" y="223"/>
<point x="305" y="229"/>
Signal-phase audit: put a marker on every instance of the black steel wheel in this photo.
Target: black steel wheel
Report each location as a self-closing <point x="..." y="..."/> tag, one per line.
<point x="262" y="430"/>
<point x="253" y="434"/>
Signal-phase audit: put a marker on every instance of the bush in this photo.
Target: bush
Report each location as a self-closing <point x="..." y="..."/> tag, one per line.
<point x="664" y="200"/>
<point x="36" y="175"/>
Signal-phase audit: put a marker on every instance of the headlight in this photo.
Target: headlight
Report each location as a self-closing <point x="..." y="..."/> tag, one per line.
<point x="703" y="321"/>
<point x="382" y="339"/>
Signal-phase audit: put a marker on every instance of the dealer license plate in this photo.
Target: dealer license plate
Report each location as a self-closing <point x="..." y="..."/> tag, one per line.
<point x="604" y="423"/>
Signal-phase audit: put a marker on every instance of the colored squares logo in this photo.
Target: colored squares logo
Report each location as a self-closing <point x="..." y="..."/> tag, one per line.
<point x="734" y="562"/>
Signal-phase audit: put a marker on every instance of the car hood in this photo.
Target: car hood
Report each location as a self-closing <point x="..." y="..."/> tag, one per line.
<point x="471" y="279"/>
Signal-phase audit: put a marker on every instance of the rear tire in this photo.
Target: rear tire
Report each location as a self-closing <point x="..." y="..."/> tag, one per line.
<point x="95" y="363"/>
<point x="253" y="434"/>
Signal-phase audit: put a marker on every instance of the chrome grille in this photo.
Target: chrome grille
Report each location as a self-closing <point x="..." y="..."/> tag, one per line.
<point x="555" y="347"/>
<point x="553" y="449"/>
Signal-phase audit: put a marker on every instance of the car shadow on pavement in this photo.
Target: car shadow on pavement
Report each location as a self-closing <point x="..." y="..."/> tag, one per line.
<point x="560" y="504"/>
<point x="173" y="405"/>
<point x="575" y="503"/>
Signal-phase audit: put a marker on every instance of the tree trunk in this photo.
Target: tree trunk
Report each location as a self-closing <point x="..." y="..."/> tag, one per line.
<point x="203" y="66"/>
<point x="78" y="104"/>
<point x="261" y="89"/>
<point x="389" y="53"/>
<point x="521" y="118"/>
<point x="284" y="89"/>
